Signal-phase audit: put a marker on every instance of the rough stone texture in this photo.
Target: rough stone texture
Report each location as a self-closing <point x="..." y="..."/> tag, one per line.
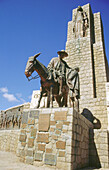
<point x="38" y="156"/>
<point x="30" y="142"/>
<point x="34" y="114"/>
<point x="61" y="153"/>
<point x="64" y="145"/>
<point x="33" y="132"/>
<point x="42" y="137"/>
<point x="9" y="140"/>
<point x="22" y="138"/>
<point x="66" y="141"/>
<point x="41" y="147"/>
<point x="29" y="160"/>
<point x="29" y="152"/>
<point x="30" y="121"/>
<point x="50" y="159"/>
<point x="60" y="145"/>
<point x="25" y="118"/>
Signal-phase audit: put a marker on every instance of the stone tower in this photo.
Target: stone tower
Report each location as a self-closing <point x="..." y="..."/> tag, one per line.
<point x="85" y="46"/>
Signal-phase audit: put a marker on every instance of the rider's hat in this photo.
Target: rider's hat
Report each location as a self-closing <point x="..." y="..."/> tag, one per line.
<point x="64" y="52"/>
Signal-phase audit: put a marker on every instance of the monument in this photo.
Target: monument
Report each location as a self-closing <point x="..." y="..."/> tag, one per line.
<point x="60" y="136"/>
<point x="86" y="50"/>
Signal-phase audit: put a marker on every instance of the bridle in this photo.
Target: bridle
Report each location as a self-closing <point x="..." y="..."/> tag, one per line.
<point x="35" y="77"/>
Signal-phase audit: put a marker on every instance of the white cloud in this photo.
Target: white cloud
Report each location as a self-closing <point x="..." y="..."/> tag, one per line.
<point x="19" y="95"/>
<point x="4" y="89"/>
<point x="10" y="97"/>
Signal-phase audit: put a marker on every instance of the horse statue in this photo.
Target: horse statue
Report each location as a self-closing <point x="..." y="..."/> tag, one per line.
<point x="49" y="87"/>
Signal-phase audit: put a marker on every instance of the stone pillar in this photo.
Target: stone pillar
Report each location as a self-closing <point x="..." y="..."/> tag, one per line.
<point x="86" y="50"/>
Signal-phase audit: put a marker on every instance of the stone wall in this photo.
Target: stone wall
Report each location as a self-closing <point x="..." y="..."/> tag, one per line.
<point x="9" y="140"/>
<point x="58" y="137"/>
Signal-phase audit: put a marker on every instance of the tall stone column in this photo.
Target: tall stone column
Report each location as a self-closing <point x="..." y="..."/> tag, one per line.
<point x="85" y="46"/>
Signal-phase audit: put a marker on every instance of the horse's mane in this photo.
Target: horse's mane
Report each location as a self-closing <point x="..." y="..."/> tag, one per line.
<point x="44" y="67"/>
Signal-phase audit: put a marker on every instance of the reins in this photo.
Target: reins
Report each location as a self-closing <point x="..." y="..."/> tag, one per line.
<point x="35" y="77"/>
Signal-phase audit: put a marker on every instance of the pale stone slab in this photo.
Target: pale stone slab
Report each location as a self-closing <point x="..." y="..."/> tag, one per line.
<point x="60" y="115"/>
<point x="44" y="122"/>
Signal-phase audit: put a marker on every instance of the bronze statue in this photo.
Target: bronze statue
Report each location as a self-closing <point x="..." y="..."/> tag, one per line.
<point x="56" y="80"/>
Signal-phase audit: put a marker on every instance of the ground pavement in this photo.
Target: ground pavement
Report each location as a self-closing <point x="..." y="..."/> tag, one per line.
<point x="9" y="161"/>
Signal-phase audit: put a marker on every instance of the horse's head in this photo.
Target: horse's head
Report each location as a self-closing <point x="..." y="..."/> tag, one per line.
<point x="30" y="65"/>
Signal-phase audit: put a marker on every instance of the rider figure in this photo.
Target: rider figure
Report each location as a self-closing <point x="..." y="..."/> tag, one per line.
<point x="57" y="69"/>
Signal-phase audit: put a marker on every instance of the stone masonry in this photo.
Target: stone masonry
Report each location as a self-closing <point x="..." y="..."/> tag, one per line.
<point x="85" y="46"/>
<point x="9" y="140"/>
<point x="56" y="137"/>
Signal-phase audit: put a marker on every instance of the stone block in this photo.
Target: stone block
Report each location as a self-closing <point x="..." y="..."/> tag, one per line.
<point x="30" y="142"/>
<point x="59" y="125"/>
<point x="44" y="122"/>
<point x="48" y="150"/>
<point x="64" y="166"/>
<point x="24" y="126"/>
<point x="61" y="159"/>
<point x="31" y="121"/>
<point x="58" y="132"/>
<point x="62" y="115"/>
<point x="66" y="123"/>
<point x="52" y="123"/>
<point x="61" y="153"/>
<point x="29" y="153"/>
<point x="60" y="144"/>
<point x="55" y="137"/>
<point x="50" y="159"/>
<point x="42" y="137"/>
<point x="41" y="147"/>
<point x="22" y="153"/>
<point x="38" y="156"/>
<point x="23" y="131"/>
<point x="29" y="160"/>
<point x="22" y="138"/>
<point x="33" y="133"/>
<point x="64" y="130"/>
<point x="52" y="129"/>
<point x="23" y="144"/>
<point x="25" y="118"/>
<point x="34" y="114"/>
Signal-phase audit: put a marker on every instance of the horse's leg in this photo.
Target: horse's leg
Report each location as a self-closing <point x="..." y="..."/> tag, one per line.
<point x="48" y="99"/>
<point x="65" y="100"/>
<point x="58" y="99"/>
<point x="51" y="96"/>
<point x="41" y="93"/>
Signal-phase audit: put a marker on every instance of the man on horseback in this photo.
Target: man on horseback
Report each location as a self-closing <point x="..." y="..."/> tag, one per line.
<point x="58" y="79"/>
<point x="57" y="69"/>
<point x="60" y="72"/>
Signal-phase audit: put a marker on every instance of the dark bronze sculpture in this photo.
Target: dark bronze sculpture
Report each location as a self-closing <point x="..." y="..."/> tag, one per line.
<point x="57" y="80"/>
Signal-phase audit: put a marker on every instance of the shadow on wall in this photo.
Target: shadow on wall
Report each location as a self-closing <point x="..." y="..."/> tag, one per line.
<point x="94" y="160"/>
<point x="88" y="115"/>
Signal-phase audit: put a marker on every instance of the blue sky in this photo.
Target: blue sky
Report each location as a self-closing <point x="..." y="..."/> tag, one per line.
<point x="31" y="26"/>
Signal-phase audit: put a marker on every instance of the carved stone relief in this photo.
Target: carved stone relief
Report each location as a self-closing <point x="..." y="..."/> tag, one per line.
<point x="81" y="23"/>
